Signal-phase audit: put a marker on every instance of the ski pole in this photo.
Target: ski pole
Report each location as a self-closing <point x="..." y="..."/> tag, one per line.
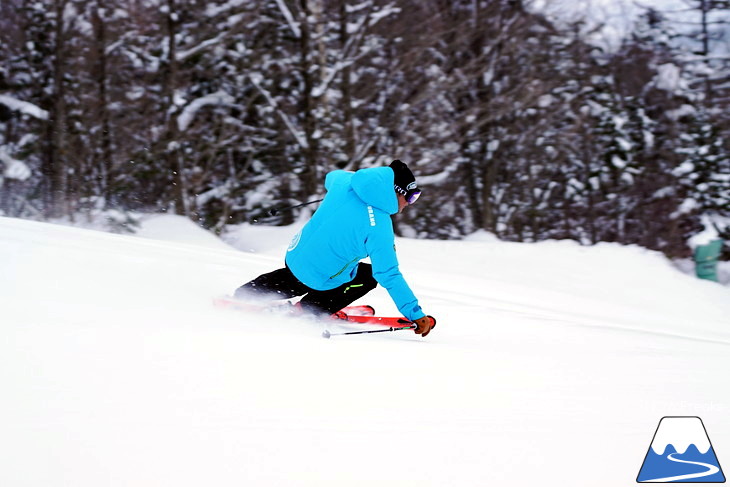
<point x="274" y="211"/>
<point x="327" y="334"/>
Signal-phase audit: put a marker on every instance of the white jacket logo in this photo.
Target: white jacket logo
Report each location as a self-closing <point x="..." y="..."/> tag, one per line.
<point x="294" y="241"/>
<point x="371" y="214"/>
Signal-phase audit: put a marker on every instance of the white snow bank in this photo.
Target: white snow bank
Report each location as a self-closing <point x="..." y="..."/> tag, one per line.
<point x="176" y="228"/>
<point x="116" y="369"/>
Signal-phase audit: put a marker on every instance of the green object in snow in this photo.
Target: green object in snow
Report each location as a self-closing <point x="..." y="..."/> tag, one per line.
<point x="706" y="257"/>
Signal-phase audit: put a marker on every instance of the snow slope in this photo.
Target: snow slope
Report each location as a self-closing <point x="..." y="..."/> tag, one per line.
<point x="551" y="365"/>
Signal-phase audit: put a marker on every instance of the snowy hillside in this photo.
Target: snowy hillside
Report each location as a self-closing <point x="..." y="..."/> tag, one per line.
<point x="608" y="21"/>
<point x="551" y="364"/>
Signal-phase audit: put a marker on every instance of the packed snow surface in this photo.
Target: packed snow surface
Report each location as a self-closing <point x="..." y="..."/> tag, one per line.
<point x="551" y="364"/>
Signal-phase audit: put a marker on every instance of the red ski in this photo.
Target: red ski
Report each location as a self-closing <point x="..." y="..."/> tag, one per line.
<point x="358" y="311"/>
<point x="389" y="321"/>
<point x="358" y="314"/>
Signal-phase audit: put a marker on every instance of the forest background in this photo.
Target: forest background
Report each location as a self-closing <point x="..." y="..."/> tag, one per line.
<point x="513" y="122"/>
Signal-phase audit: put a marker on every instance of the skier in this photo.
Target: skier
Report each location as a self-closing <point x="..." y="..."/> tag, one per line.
<point x="322" y="263"/>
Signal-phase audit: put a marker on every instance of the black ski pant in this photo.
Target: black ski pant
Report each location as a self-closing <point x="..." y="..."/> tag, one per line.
<point x="281" y="284"/>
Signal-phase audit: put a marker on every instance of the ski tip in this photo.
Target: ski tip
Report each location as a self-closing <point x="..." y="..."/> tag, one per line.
<point x="326" y="334"/>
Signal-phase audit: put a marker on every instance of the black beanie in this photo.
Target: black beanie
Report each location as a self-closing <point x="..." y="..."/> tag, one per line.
<point x="403" y="176"/>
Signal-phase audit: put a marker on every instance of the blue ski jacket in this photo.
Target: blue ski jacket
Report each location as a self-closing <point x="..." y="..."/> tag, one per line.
<point x="352" y="223"/>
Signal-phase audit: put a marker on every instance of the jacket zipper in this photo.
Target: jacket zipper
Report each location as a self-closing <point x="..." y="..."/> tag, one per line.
<point x="345" y="267"/>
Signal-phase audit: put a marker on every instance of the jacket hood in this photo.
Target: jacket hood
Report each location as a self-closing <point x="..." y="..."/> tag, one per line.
<point x="375" y="187"/>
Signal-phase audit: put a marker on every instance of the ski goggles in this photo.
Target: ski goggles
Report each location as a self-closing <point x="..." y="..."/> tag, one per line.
<point x="411" y="195"/>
